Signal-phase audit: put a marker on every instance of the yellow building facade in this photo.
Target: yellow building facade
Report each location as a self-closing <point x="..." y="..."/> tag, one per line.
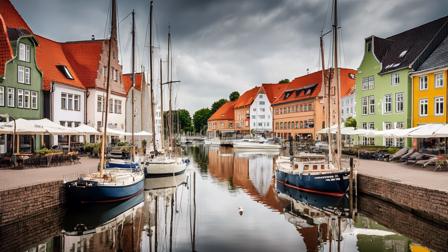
<point x="429" y="97"/>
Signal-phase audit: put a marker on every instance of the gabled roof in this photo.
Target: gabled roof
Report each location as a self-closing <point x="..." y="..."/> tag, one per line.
<point x="84" y="56"/>
<point x="12" y="16"/>
<point x="438" y="58"/>
<point x="401" y="50"/>
<point x="247" y="98"/>
<point x="225" y="112"/>
<point x="348" y="81"/>
<point x="273" y="91"/>
<point x="5" y="46"/>
<point x="127" y="81"/>
<point x="50" y="57"/>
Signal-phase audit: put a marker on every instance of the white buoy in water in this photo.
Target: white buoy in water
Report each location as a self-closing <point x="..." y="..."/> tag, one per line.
<point x="240" y="210"/>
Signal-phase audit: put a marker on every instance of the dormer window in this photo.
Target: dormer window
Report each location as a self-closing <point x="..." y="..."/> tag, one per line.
<point x="64" y="70"/>
<point x="369" y="46"/>
<point x="24" y="52"/>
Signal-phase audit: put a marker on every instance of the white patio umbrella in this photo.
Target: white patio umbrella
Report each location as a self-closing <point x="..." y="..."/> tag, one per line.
<point x="334" y="129"/>
<point x="84" y="129"/>
<point x="141" y="133"/>
<point x="115" y="132"/>
<point x="424" y="131"/>
<point x="55" y="128"/>
<point x="23" y="127"/>
<point x="441" y="132"/>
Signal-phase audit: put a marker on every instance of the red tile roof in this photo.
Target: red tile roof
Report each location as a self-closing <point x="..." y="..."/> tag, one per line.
<point x="225" y="112"/>
<point x="273" y="91"/>
<point x="49" y="55"/>
<point x="5" y="46"/>
<point x="84" y="56"/>
<point x="247" y="98"/>
<point x="11" y="16"/>
<point x="309" y="86"/>
<point x="127" y="81"/>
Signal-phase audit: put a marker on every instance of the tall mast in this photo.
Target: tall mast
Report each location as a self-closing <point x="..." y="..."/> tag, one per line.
<point x="153" y="123"/>
<point x="328" y="92"/>
<point x="133" y="86"/>
<point x="162" y="138"/>
<point x="113" y="34"/>
<point x="336" y="73"/>
<point x="170" y="122"/>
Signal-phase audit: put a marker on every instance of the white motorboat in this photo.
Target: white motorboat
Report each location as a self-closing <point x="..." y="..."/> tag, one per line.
<point x="213" y="141"/>
<point x="251" y="145"/>
<point x="161" y="166"/>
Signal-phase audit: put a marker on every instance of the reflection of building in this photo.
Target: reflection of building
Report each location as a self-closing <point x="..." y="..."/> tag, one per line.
<point x="253" y="174"/>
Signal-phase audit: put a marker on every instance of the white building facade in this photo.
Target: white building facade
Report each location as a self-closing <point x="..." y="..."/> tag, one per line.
<point x="348" y="104"/>
<point x="261" y="113"/>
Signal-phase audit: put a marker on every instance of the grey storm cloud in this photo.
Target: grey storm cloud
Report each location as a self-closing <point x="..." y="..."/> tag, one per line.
<point x="224" y="45"/>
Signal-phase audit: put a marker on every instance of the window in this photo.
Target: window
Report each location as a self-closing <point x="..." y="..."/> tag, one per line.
<point x="63" y="101"/>
<point x="260" y="96"/>
<point x="111" y="105"/>
<point x="395" y="79"/>
<point x="115" y="74"/>
<point x="262" y="109"/>
<point x="423" y="82"/>
<point x="371" y="104"/>
<point x="70" y="101"/>
<point x="364" y="105"/>
<point x="369" y="46"/>
<point x="104" y="72"/>
<point x="24" y="52"/>
<point x="99" y="103"/>
<point x="64" y="70"/>
<point x="389" y="141"/>
<point x="423" y="107"/>
<point x="387" y="103"/>
<point x="399" y="102"/>
<point x="254" y="110"/>
<point x="20" y="98"/>
<point x="2" y="96"/>
<point x="261" y="102"/>
<point x="399" y="125"/>
<point x="23" y="75"/>
<point x="368" y="83"/>
<point x="76" y="102"/>
<point x="438" y="79"/>
<point x="10" y="97"/>
<point x="26" y="99"/>
<point x="371" y="125"/>
<point x="33" y="99"/>
<point x="438" y="106"/>
<point x="118" y="106"/>
<point x="261" y="116"/>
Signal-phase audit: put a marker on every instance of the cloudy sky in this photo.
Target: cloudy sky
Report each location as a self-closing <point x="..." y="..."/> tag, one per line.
<point x="226" y="45"/>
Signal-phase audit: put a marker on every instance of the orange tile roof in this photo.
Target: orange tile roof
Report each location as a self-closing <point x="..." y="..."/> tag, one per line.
<point x="5" y="46"/>
<point x="347" y="81"/>
<point x="225" y="112"/>
<point x="247" y="98"/>
<point x="12" y="17"/>
<point x="49" y="55"/>
<point x="273" y="91"/>
<point x="127" y="81"/>
<point x="84" y="56"/>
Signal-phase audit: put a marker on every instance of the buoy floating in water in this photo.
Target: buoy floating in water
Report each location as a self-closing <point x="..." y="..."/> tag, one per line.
<point x="240" y="210"/>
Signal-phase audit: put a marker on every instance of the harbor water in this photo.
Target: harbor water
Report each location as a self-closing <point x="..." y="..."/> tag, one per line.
<point x="228" y="201"/>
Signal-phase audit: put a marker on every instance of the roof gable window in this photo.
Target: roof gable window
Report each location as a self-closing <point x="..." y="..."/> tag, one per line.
<point x="64" y="70"/>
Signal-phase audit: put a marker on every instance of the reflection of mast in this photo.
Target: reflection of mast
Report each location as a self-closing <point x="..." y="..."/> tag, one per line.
<point x="171" y="222"/>
<point x="156" y="223"/>
<point x="194" y="212"/>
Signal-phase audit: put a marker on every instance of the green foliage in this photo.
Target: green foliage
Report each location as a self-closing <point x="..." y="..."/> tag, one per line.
<point x="350" y="122"/>
<point x="392" y="150"/>
<point x="234" y="96"/>
<point x="184" y="118"/>
<point x="216" y="105"/>
<point x="283" y="81"/>
<point x="200" y="118"/>
<point x="122" y="144"/>
<point x="45" y="151"/>
<point x="92" y="148"/>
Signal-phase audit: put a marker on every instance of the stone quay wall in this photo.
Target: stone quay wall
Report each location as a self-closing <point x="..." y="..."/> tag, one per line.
<point x="427" y="203"/>
<point x="16" y="204"/>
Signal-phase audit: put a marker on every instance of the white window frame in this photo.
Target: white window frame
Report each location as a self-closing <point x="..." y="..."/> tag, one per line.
<point x="439" y="103"/>
<point x="387" y="102"/>
<point x="117" y="106"/>
<point x="111" y="105"/>
<point x="395" y="79"/>
<point x="99" y="103"/>
<point x="399" y="102"/>
<point x="64" y="101"/>
<point x="423" y="82"/>
<point x="76" y="102"/>
<point x="69" y="101"/>
<point x="2" y="96"/>
<point x="365" y="83"/>
<point x="371" y="105"/>
<point x="365" y="105"/>
<point x="438" y="80"/>
<point x="24" y="52"/>
<point x="26" y="99"/>
<point x="423" y="102"/>
<point x="10" y="97"/>
<point x="20" y="98"/>
<point x="34" y="100"/>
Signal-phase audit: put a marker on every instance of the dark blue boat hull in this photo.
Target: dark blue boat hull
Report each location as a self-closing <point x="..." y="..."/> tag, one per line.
<point x="130" y="165"/>
<point x="79" y="192"/>
<point x="333" y="184"/>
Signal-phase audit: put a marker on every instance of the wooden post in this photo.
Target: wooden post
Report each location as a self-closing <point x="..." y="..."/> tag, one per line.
<point x="18" y="144"/>
<point x="351" y="186"/>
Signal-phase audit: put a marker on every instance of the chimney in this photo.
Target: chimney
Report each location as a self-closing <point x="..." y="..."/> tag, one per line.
<point x="93" y="37"/>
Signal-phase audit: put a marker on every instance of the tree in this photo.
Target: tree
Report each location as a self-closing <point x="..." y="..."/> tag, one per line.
<point x="350" y="122"/>
<point x="200" y="118"/>
<point x="185" y="124"/>
<point x="216" y="105"/>
<point x="283" y="81"/>
<point x="234" y="96"/>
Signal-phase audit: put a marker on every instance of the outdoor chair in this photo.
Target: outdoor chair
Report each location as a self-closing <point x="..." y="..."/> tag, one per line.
<point x="416" y="156"/>
<point x="425" y="162"/>
<point x="407" y="155"/>
<point x="398" y="154"/>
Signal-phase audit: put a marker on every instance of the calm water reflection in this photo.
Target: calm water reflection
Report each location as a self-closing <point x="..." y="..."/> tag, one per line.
<point x="224" y="202"/>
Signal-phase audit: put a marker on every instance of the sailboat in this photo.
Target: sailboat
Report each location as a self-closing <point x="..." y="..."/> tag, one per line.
<point x="117" y="160"/>
<point x="111" y="185"/>
<point x="312" y="173"/>
<point x="162" y="164"/>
